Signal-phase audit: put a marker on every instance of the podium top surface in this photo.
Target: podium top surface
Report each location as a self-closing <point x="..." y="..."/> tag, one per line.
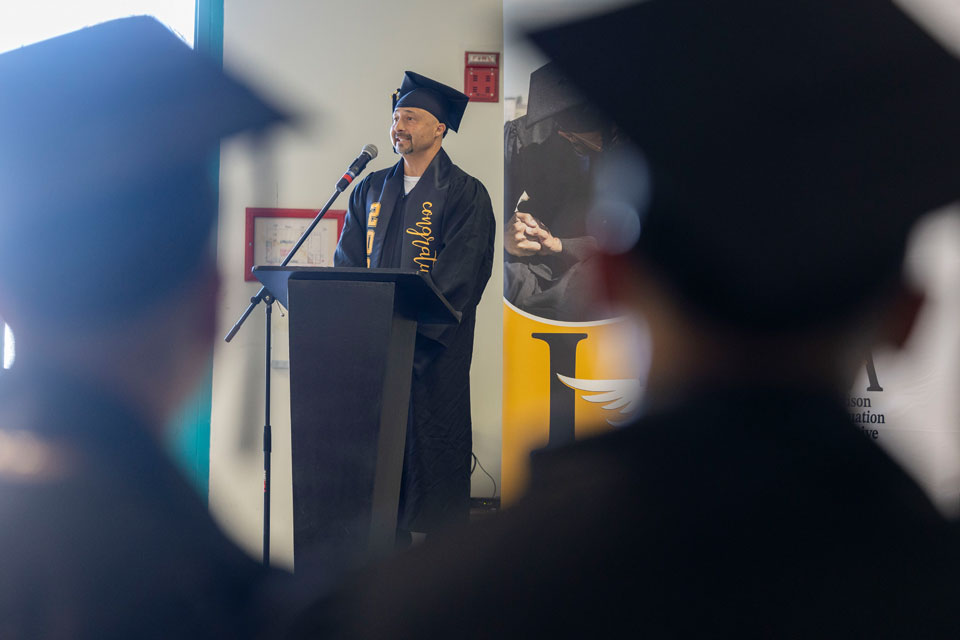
<point x="416" y="287"/>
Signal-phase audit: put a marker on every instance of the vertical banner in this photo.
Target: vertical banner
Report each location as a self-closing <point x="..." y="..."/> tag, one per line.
<point x="565" y="370"/>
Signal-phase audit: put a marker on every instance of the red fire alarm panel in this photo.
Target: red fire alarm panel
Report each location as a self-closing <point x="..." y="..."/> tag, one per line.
<point x="481" y="76"/>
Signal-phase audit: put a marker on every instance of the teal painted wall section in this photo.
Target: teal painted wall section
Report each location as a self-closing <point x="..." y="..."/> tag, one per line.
<point x="208" y="32"/>
<point x="190" y="435"/>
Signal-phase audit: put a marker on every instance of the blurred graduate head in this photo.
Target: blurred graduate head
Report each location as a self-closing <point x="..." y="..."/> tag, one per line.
<point x="106" y="197"/>
<point x="783" y="151"/>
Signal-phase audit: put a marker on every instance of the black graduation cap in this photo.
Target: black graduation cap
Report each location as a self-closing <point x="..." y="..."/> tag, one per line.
<point x="551" y="93"/>
<point x="105" y="196"/>
<point x="790" y="145"/>
<point x="445" y="103"/>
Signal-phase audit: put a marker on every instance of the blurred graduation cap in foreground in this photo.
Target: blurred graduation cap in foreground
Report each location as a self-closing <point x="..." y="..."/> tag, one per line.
<point x="445" y="103"/>
<point x="105" y="196"/>
<point x="789" y="145"/>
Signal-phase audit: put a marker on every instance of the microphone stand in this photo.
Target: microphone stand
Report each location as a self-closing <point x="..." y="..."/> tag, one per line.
<point x="264" y="296"/>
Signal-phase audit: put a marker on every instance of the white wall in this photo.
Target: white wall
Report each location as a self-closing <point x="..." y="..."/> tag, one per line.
<point x="336" y="65"/>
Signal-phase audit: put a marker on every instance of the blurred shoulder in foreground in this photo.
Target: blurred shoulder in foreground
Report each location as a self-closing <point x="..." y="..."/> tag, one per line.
<point x="108" y="280"/>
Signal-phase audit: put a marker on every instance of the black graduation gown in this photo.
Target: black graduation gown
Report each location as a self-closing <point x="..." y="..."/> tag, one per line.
<point x="559" y="183"/>
<point x="111" y="542"/>
<point x="738" y="513"/>
<point x="445" y="226"/>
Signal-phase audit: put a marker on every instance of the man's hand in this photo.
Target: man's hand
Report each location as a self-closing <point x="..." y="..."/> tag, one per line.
<point x="524" y="236"/>
<point x="519" y="235"/>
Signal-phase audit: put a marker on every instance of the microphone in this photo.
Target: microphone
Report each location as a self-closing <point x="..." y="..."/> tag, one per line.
<point x="368" y="153"/>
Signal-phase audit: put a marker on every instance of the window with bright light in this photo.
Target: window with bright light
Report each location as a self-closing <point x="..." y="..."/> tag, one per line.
<point x="23" y="23"/>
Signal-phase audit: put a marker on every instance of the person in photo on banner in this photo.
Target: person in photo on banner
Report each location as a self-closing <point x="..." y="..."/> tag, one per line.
<point x="788" y="150"/>
<point x="551" y="158"/>
<point x="426" y="214"/>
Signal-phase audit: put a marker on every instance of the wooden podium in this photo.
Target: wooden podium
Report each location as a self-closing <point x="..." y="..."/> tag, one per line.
<point x="352" y="336"/>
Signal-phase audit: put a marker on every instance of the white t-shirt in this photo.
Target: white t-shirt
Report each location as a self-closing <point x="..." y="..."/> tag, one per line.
<point x="409" y="182"/>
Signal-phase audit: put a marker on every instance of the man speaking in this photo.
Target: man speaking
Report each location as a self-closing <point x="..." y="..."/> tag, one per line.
<point x="425" y="214"/>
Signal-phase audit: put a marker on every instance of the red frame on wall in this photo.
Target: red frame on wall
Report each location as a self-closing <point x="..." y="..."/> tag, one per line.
<point x="268" y="212"/>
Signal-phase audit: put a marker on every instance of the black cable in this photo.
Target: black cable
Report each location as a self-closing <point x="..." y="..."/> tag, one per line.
<point x="473" y="467"/>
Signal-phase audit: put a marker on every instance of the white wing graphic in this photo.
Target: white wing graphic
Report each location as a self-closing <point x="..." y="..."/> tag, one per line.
<point x="621" y="394"/>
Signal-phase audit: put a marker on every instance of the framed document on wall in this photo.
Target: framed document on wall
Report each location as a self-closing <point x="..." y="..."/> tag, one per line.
<point x="271" y="233"/>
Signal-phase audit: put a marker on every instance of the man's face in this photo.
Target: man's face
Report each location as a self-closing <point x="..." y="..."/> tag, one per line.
<point x="414" y="130"/>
